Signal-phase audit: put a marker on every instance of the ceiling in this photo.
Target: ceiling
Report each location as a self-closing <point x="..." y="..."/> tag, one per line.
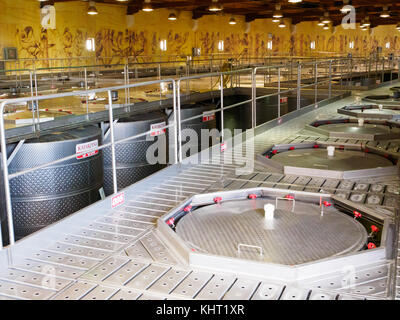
<point x="307" y="10"/>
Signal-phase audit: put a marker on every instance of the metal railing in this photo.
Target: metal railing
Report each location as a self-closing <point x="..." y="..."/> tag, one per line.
<point x="235" y="80"/>
<point x="7" y="177"/>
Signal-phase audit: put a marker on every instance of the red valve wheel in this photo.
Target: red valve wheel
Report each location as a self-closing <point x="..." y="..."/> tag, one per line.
<point x="252" y="196"/>
<point x="187" y="208"/>
<point x="171" y="221"/>
<point x="374" y="228"/>
<point x="371" y="245"/>
<point x="357" y="214"/>
<point x="291" y="148"/>
<point x="217" y="199"/>
<point x="316" y="146"/>
<point x="274" y="151"/>
<point x="366" y="150"/>
<point x="327" y="204"/>
<point x="288" y="196"/>
<point x="267" y="156"/>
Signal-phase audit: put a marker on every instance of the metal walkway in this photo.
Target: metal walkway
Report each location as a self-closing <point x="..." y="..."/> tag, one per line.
<point x="101" y="253"/>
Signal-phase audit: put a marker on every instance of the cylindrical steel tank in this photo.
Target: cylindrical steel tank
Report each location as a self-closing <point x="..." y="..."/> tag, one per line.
<point x="131" y="162"/>
<point x="44" y="196"/>
<point x="209" y="121"/>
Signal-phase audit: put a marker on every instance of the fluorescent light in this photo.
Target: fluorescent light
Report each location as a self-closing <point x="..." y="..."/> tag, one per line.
<point x="163" y="45"/>
<point x="90" y="44"/>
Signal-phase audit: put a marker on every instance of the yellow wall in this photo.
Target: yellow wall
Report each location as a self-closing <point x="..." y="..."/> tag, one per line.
<point x="115" y="36"/>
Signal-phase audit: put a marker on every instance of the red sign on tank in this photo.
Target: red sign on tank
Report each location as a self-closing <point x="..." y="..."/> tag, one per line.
<point x="156" y="129"/>
<point x="208" y="116"/>
<point x="87" y="149"/>
<point x="117" y="200"/>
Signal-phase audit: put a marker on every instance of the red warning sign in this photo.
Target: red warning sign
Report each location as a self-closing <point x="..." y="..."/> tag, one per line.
<point x="85" y="147"/>
<point x="224" y="146"/>
<point x="208" y="116"/>
<point x="156" y="129"/>
<point x="117" y="200"/>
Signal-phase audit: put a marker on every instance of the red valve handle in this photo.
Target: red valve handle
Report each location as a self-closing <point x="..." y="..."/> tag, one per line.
<point x="171" y="221"/>
<point x="252" y="196"/>
<point x="316" y="146"/>
<point x="327" y="204"/>
<point x="288" y="196"/>
<point x="357" y="214"/>
<point x="291" y="148"/>
<point x="371" y="245"/>
<point x="187" y="208"/>
<point x="217" y="199"/>
<point x="267" y="156"/>
<point x="374" y="228"/>
<point x="274" y="151"/>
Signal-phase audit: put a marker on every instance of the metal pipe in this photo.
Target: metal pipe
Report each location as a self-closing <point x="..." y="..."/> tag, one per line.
<point x="316" y="83"/>
<point x="298" y="85"/>
<point x="279" y="92"/>
<point x="114" y="166"/>
<point x="222" y="108"/>
<point x="86" y="89"/>
<point x="330" y="79"/>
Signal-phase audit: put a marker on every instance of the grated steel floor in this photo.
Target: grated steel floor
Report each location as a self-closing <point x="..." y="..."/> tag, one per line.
<point x="101" y="253"/>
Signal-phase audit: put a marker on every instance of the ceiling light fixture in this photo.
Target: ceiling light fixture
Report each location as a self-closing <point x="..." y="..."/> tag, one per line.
<point x="295" y="1"/>
<point x="346" y="8"/>
<point x="278" y="13"/>
<point x="215" y="6"/>
<point x="398" y="26"/>
<point x="320" y="23"/>
<point x="282" y="24"/>
<point x="92" y="9"/>
<point x="147" y="6"/>
<point x="385" y="13"/>
<point x="326" y="18"/>
<point x="326" y="27"/>
<point x="172" y="16"/>
<point x="232" y="21"/>
<point x="366" y="22"/>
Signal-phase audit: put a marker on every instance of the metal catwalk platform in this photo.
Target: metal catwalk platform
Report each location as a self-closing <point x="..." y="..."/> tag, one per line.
<point x="101" y="253"/>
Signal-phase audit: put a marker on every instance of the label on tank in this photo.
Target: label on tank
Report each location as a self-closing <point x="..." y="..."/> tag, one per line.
<point x="224" y="146"/>
<point x="87" y="147"/>
<point x="208" y="116"/>
<point x="117" y="200"/>
<point x="284" y="100"/>
<point x="156" y="129"/>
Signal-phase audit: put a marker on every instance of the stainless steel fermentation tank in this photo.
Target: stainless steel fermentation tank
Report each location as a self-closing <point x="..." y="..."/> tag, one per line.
<point x="207" y="121"/>
<point x="131" y="162"/>
<point x="44" y="196"/>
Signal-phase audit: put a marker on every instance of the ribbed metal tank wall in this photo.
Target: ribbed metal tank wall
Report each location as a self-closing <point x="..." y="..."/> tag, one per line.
<point x="131" y="162"/>
<point x="44" y="196"/>
<point x="192" y="110"/>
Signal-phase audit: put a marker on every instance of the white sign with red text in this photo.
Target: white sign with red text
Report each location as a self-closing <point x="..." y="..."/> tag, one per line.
<point x="85" y="147"/>
<point x="284" y="100"/>
<point x="117" y="200"/>
<point x="156" y="129"/>
<point x="208" y="116"/>
<point x="224" y="146"/>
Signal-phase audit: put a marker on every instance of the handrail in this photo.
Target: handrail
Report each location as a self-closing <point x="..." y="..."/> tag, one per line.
<point x="7" y="177"/>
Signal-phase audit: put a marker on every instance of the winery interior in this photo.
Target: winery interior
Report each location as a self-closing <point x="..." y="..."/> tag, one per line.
<point x="199" y="150"/>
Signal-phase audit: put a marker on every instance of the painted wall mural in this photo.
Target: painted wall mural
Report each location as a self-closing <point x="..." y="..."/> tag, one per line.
<point x="114" y="41"/>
